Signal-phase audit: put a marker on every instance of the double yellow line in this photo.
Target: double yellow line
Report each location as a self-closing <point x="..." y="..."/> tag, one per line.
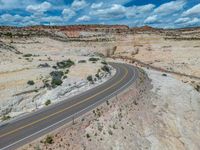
<point x="60" y="111"/>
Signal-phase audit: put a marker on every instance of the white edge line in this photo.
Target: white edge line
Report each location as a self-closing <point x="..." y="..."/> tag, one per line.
<point x="4" y="148"/>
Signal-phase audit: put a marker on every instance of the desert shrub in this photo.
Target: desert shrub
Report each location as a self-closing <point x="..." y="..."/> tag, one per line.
<point x="67" y="71"/>
<point x="97" y="75"/>
<point x="64" y="77"/>
<point x="82" y="61"/>
<point x="87" y="135"/>
<point x="103" y="62"/>
<point x="49" y="58"/>
<point x="9" y="34"/>
<point x="54" y="67"/>
<point x="107" y="102"/>
<point x="27" y="55"/>
<point x="45" y="65"/>
<point x="56" y="78"/>
<point x="197" y="87"/>
<point x="56" y="82"/>
<point x="114" y="126"/>
<point x="90" y="79"/>
<point x="93" y="59"/>
<point x="48" y="102"/>
<point x="49" y="139"/>
<point x="110" y="132"/>
<point x="30" y="82"/>
<point x="5" y="117"/>
<point x="106" y="68"/>
<point x="57" y="74"/>
<point x="65" y="64"/>
<point x="99" y="54"/>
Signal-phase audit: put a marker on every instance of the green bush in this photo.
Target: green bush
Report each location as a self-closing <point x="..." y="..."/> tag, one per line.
<point x="9" y="34"/>
<point x="5" y="117"/>
<point x="54" y="67"/>
<point x="48" y="140"/>
<point x="97" y="75"/>
<point x="45" y="65"/>
<point x="65" y="64"/>
<point x="93" y="59"/>
<point x="56" y="82"/>
<point x="87" y="135"/>
<point x="67" y="71"/>
<point x="65" y="77"/>
<point x="90" y="79"/>
<point x="56" y="78"/>
<point x="57" y="74"/>
<point x="103" y="62"/>
<point x="48" y="102"/>
<point x="30" y="82"/>
<point x="82" y="61"/>
<point x="27" y="55"/>
<point x="106" y="68"/>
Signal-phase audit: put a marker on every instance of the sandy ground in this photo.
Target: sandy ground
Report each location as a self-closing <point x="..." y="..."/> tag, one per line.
<point x="180" y="56"/>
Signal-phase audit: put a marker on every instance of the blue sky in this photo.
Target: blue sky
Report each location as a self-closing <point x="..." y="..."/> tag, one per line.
<point x="156" y="13"/>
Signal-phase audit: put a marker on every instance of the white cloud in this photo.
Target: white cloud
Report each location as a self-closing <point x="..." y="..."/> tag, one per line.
<point x="68" y="13"/>
<point x="151" y="19"/>
<point x="192" y="11"/>
<point x="110" y="2"/>
<point x="14" y="4"/>
<point x="78" y="4"/>
<point x="96" y="5"/>
<point x="14" y="19"/>
<point x="119" y="11"/>
<point x="40" y="8"/>
<point x="182" y="20"/>
<point x="52" y="19"/>
<point x="194" y="21"/>
<point x="138" y="10"/>
<point x="188" y="21"/>
<point x="170" y="7"/>
<point x="115" y="11"/>
<point x="145" y="8"/>
<point x="83" y="18"/>
<point x="11" y="18"/>
<point x="7" y="17"/>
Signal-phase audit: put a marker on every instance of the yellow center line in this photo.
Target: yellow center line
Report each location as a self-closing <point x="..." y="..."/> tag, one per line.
<point x="58" y="112"/>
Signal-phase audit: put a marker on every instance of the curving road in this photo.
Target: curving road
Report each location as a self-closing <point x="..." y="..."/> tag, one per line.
<point x="16" y="133"/>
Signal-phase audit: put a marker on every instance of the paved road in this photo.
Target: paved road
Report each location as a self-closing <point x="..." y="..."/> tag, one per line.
<point x="18" y="132"/>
